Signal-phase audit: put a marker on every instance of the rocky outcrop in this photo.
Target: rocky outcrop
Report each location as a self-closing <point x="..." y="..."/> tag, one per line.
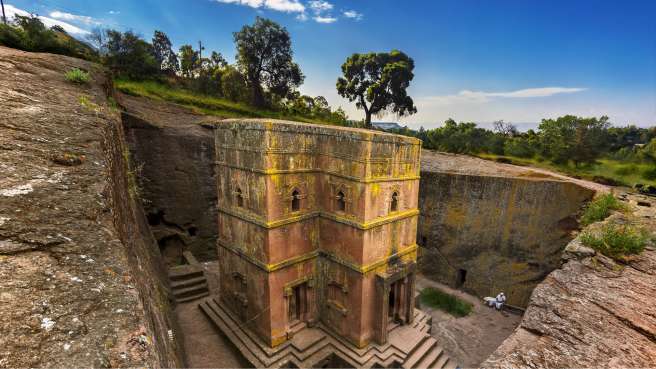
<point x="81" y="284"/>
<point x="174" y="157"/>
<point x="486" y="227"/>
<point x="592" y="312"/>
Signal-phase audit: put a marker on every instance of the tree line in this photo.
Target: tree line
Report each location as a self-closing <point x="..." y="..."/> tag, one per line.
<point x="566" y="139"/>
<point x="264" y="74"/>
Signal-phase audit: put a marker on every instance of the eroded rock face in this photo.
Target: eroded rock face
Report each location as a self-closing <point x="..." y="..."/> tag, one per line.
<point x="593" y="312"/>
<point x="174" y="155"/>
<point x="486" y="227"/>
<point x="80" y="280"/>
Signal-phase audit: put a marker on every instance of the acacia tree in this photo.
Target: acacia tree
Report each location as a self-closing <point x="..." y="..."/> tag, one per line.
<point x="377" y="82"/>
<point x="164" y="54"/>
<point x="581" y="140"/>
<point x="264" y="57"/>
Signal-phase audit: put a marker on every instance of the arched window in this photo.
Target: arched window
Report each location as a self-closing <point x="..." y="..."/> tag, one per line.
<point x="240" y="198"/>
<point x="341" y="201"/>
<point x="296" y="200"/>
<point x="394" y="206"/>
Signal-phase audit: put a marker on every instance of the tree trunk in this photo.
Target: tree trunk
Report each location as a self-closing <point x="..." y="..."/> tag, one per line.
<point x="258" y="96"/>
<point x="367" y="119"/>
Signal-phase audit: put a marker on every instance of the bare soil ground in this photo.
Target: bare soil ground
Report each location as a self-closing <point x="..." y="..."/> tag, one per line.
<point x="205" y="346"/>
<point x="471" y="339"/>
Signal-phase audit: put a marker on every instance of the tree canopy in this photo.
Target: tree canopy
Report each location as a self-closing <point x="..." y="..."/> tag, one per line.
<point x="378" y="82"/>
<point x="164" y="54"/>
<point x="130" y="56"/>
<point x="264" y="57"/>
<point x="580" y="140"/>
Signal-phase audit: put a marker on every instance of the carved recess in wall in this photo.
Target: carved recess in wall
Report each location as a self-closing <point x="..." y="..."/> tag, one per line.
<point x="337" y="186"/>
<point x="286" y="190"/>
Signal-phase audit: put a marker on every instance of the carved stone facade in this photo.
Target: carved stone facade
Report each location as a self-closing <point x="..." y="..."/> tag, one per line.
<point x="317" y="224"/>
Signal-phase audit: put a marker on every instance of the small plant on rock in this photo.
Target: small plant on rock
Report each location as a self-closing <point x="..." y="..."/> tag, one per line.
<point x="76" y="75"/>
<point x="600" y="208"/>
<point x="617" y="241"/>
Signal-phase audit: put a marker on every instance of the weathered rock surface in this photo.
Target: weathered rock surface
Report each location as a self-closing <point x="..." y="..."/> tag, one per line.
<point x="593" y="312"/>
<point x="80" y="282"/>
<point x="175" y="157"/>
<point x="487" y="227"/>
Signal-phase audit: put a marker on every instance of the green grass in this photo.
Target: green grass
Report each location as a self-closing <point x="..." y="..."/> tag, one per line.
<point x="600" y="208"/>
<point x="200" y="103"/>
<point x="443" y="301"/>
<point x="603" y="171"/>
<point x="617" y="241"/>
<point x="76" y="75"/>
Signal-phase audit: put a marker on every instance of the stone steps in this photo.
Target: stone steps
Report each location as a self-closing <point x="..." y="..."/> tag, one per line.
<point x="188" y="283"/>
<point x="309" y="346"/>
<point x="182" y="283"/>
<point x="428" y="354"/>
<point x="191" y="290"/>
<point x="182" y="272"/>
<point x="197" y="296"/>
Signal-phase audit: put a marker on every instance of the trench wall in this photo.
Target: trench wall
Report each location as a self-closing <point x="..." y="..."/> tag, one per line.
<point x="175" y="166"/>
<point x="487" y="234"/>
<point x="149" y="273"/>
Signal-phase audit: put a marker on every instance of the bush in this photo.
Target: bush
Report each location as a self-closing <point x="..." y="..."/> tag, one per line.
<point x="443" y="301"/>
<point x="519" y="147"/>
<point x="600" y="208"/>
<point x="617" y="241"/>
<point x="649" y="174"/>
<point x="77" y="75"/>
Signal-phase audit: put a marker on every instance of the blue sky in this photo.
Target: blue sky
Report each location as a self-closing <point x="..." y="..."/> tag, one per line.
<point x="476" y="60"/>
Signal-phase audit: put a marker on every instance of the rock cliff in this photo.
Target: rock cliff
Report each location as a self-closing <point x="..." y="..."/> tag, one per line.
<point x="487" y="227"/>
<point x="81" y="283"/>
<point x="174" y="154"/>
<point x="591" y="312"/>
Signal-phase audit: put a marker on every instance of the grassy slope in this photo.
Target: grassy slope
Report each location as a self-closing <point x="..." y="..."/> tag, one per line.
<point x="202" y="103"/>
<point x="625" y="173"/>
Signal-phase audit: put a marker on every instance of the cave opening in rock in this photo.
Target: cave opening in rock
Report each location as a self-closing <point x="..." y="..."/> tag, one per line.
<point x="155" y="218"/>
<point x="171" y="248"/>
<point x="461" y="277"/>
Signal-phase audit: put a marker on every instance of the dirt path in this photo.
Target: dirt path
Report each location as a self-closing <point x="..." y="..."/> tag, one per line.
<point x="205" y="346"/>
<point x="469" y="340"/>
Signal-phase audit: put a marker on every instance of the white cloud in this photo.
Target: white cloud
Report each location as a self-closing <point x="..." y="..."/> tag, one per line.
<point x="320" y="6"/>
<point x="73" y="17"/>
<point x="114" y="12"/>
<point x="11" y="11"/>
<point x="287" y="6"/>
<point x="302" y="17"/>
<point x="325" y="20"/>
<point x="482" y="96"/>
<point x="352" y="14"/>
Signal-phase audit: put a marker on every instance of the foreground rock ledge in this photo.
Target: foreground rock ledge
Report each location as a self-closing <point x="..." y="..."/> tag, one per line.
<point x="81" y="283"/>
<point x="592" y="312"/>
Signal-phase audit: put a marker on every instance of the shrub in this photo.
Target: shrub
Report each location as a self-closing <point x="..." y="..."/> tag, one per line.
<point x="77" y="75"/>
<point x="617" y="241"/>
<point x="649" y="174"/>
<point x="600" y="208"/>
<point x="443" y="301"/>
